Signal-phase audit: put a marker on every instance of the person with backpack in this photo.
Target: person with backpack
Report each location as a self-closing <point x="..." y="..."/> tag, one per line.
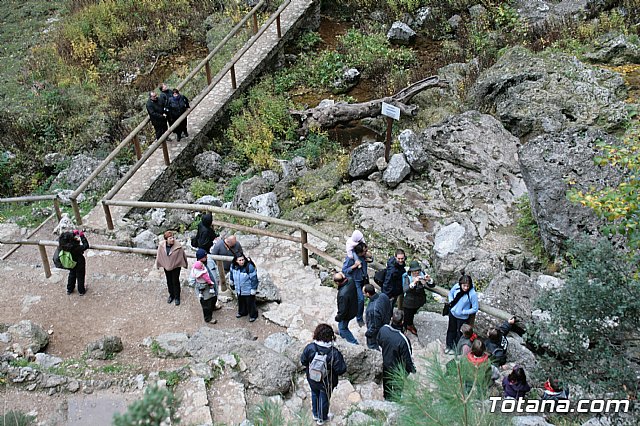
<point x="515" y="385"/>
<point x="244" y="279"/>
<point x="414" y="283"/>
<point x="396" y="355"/>
<point x="172" y="258"/>
<point x="497" y="343"/>
<point x="392" y="285"/>
<point x="206" y="235"/>
<point x="207" y="293"/>
<point x="466" y="340"/>
<point x="177" y="105"/>
<point x="463" y="301"/>
<point x="378" y="313"/>
<point x="229" y="246"/>
<point x="323" y="364"/>
<point x="347" y="301"/>
<point x="71" y="246"/>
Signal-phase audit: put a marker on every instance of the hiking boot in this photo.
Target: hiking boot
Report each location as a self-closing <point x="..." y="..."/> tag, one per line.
<point x="252" y="319"/>
<point x="412" y="329"/>
<point x="186" y="135"/>
<point x="449" y="351"/>
<point x="239" y="315"/>
<point x="170" y="299"/>
<point x="177" y="302"/>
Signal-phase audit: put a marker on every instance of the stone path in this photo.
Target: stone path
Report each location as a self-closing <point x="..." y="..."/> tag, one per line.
<point x="200" y="120"/>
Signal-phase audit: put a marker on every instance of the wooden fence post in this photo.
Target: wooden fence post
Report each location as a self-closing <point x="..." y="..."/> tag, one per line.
<point x="76" y="211"/>
<point x="165" y="153"/>
<point x="45" y="261"/>
<point x="136" y="147"/>
<point x="207" y="68"/>
<point x="56" y="206"/>
<point x="304" y="251"/>
<point x="234" y="85"/>
<point x="221" y="274"/>
<point x="107" y="215"/>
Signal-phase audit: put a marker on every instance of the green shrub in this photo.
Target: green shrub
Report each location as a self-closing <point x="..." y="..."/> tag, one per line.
<point x="232" y="187"/>
<point x="156" y="406"/>
<point x="16" y="418"/>
<point x="201" y="187"/>
<point x="317" y="148"/>
<point x="528" y="229"/>
<point x="592" y="321"/>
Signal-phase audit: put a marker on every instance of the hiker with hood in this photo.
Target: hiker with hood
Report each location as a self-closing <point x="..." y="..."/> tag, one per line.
<point x="171" y="257"/>
<point x="497" y="343"/>
<point x="392" y="285"/>
<point x="414" y="283"/>
<point x="463" y="302"/>
<point x="207" y="294"/>
<point x="244" y="279"/>
<point x="206" y="234"/>
<point x="323" y="364"/>
<point x="396" y="355"/>
<point x="347" y="301"/>
<point x="75" y="243"/>
<point x="378" y="313"/>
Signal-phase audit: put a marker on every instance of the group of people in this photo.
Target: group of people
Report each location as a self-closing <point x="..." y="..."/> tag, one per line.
<point x="165" y="108"/>
<point x="241" y="272"/>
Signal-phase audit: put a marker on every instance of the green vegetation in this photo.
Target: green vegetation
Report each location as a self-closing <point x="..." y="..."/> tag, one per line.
<point x="269" y="413"/>
<point x="156" y="349"/>
<point x="201" y="187"/>
<point x="527" y="228"/>
<point x="16" y="418"/>
<point x="172" y="377"/>
<point x="153" y="409"/>
<point x="592" y="322"/>
<point x="232" y="187"/>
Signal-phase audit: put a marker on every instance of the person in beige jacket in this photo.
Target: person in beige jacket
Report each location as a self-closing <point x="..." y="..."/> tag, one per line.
<point x="171" y="257"/>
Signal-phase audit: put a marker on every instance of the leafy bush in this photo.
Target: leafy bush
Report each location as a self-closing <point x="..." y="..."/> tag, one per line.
<point x="528" y="229"/>
<point x="201" y="187"/>
<point x="592" y="321"/>
<point x="16" y="418"/>
<point x="156" y="406"/>
<point x="316" y="147"/>
<point x="232" y="187"/>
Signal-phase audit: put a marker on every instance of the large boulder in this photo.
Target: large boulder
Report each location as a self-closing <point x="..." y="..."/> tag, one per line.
<point x="550" y="163"/>
<point x="549" y="92"/>
<point x="80" y="169"/>
<point x="146" y="239"/>
<point x="264" y="204"/>
<point x="171" y="345"/>
<point x="615" y="49"/>
<point x="248" y="189"/>
<point x="266" y="370"/>
<point x="267" y="290"/>
<point x="363" y="364"/>
<point x="396" y="170"/>
<point x="539" y="12"/>
<point x="401" y="33"/>
<point x="363" y="159"/>
<point x="28" y="336"/>
<point x="349" y="79"/>
<point x="208" y="164"/>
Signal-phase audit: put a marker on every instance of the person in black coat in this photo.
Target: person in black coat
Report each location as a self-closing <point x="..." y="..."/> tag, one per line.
<point x="392" y="285"/>
<point x="347" y="305"/>
<point x="157" y="114"/>
<point x="323" y="338"/>
<point x="378" y="314"/>
<point x="497" y="343"/>
<point x="206" y="233"/>
<point x="75" y="243"/>
<point x="396" y="355"/>
<point x="414" y="283"/>
<point x="177" y="105"/>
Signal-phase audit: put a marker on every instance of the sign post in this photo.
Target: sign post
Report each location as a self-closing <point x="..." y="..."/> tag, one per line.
<point x="392" y="113"/>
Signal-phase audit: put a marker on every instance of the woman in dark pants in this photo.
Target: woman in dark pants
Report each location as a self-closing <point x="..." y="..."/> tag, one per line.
<point x="75" y="243"/>
<point x="171" y="257"/>
<point x="463" y="302"/>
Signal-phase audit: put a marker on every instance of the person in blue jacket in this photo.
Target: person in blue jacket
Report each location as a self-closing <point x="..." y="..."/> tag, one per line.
<point x="244" y="279"/>
<point x="356" y="268"/>
<point x="323" y="338"/>
<point x="463" y="302"/>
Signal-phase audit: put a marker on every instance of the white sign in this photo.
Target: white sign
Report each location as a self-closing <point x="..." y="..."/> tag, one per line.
<point x="390" y="111"/>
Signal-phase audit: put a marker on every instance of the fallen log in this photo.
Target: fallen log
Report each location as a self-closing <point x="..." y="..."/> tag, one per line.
<point x="328" y="117"/>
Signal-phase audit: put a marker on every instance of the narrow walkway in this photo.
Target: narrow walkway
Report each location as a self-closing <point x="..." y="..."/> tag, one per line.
<point x="200" y="117"/>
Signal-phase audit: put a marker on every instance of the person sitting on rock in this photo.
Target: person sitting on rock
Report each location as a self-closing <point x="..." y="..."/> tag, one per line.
<point x="322" y="383"/>
<point x="515" y="384"/>
<point x="466" y="340"/>
<point x="414" y="283"/>
<point x="497" y="343"/>
<point x="206" y="234"/>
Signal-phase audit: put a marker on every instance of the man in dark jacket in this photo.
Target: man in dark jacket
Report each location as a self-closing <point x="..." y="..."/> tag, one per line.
<point x="165" y="96"/>
<point x="177" y="105"/>
<point x="396" y="354"/>
<point x="157" y="114"/>
<point x="392" y="285"/>
<point x="378" y="314"/>
<point x="206" y="234"/>
<point x="497" y="343"/>
<point x="75" y="243"/>
<point x="347" y="305"/>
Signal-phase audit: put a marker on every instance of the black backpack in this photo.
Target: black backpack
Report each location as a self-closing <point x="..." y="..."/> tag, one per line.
<point x="379" y="276"/>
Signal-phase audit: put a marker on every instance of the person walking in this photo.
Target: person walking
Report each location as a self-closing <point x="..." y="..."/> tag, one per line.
<point x="396" y="355"/>
<point x="414" y="283"/>
<point x="356" y="267"/>
<point x="378" y="313"/>
<point x="177" y="105"/>
<point x="244" y="279"/>
<point x="463" y="301"/>
<point x="347" y="301"/>
<point x="392" y="285"/>
<point x="323" y="364"/>
<point x="157" y="114"/>
<point x="75" y="243"/>
<point x="164" y="97"/>
<point x="171" y="257"/>
<point x="206" y="235"/>
<point x="207" y="294"/>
